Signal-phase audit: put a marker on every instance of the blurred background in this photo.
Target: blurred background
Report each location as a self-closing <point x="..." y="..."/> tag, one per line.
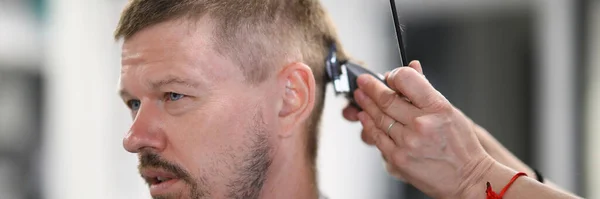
<point x="526" y="70"/>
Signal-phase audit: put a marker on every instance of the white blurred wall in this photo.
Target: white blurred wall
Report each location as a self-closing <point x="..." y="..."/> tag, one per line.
<point x="85" y="120"/>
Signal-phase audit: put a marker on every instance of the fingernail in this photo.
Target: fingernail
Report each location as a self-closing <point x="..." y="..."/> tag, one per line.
<point x="362" y="80"/>
<point x="359" y="95"/>
<point x="414" y="62"/>
<point x="394" y="71"/>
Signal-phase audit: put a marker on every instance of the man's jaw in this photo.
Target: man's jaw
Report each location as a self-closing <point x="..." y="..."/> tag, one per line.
<point x="161" y="182"/>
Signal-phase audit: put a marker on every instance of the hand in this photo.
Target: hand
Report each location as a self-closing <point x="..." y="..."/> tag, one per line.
<point x="432" y="145"/>
<point x="351" y="112"/>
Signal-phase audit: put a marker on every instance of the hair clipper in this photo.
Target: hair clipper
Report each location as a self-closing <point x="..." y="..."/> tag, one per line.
<point x="343" y="75"/>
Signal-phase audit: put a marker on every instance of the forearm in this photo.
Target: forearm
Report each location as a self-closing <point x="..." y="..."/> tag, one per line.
<point x="499" y="175"/>
<point x="501" y="153"/>
<point x="505" y="157"/>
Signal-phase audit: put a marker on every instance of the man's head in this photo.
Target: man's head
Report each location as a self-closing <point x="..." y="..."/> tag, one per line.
<point x="220" y="90"/>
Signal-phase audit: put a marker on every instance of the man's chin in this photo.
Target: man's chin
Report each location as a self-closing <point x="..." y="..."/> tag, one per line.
<point x="173" y="188"/>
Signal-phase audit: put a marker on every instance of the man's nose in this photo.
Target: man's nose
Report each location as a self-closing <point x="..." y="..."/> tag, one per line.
<point x="146" y="132"/>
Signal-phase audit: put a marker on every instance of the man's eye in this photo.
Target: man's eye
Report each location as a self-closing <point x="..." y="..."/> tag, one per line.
<point x="174" y="96"/>
<point x="134" y="105"/>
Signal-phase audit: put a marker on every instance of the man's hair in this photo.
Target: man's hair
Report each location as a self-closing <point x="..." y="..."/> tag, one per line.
<point x="258" y="35"/>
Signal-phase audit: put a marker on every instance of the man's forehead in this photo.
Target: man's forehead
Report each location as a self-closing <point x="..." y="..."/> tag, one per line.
<point x="176" y="45"/>
<point x="173" y="35"/>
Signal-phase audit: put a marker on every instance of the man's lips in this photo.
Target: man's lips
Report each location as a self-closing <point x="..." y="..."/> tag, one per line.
<point x="158" y="180"/>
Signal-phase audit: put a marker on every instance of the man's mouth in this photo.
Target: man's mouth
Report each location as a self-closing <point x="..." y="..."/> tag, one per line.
<point x="160" y="182"/>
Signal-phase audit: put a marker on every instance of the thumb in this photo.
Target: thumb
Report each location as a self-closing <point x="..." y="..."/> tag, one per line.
<point x="413" y="64"/>
<point x="417" y="66"/>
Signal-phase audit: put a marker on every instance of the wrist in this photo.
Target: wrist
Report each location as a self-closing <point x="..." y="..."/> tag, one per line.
<point x="484" y="137"/>
<point x="497" y="175"/>
<point x="474" y="177"/>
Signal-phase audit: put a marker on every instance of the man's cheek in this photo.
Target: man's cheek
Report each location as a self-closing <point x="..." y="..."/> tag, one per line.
<point x="213" y="127"/>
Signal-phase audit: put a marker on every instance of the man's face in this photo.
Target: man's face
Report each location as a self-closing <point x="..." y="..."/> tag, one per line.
<point x="199" y="129"/>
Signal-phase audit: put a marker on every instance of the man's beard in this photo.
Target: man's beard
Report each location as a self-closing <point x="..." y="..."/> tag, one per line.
<point x="250" y="174"/>
<point x="197" y="188"/>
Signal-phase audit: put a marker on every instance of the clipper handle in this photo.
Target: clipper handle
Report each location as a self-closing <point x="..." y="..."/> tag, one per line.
<point x="355" y="70"/>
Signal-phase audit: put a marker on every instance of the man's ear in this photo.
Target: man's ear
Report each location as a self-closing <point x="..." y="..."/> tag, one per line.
<point x="298" y="97"/>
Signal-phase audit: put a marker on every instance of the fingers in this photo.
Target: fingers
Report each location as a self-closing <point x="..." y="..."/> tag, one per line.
<point x="396" y="132"/>
<point x="393" y="171"/>
<point x="386" y="145"/>
<point x="394" y="156"/>
<point x="413" y="64"/>
<point x="350" y="113"/>
<point x="386" y="74"/>
<point x="381" y="120"/>
<point x="415" y="87"/>
<point x="370" y="131"/>
<point x="381" y="97"/>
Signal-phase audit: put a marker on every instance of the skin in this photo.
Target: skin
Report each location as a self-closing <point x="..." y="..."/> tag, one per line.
<point x="196" y="119"/>
<point x="432" y="135"/>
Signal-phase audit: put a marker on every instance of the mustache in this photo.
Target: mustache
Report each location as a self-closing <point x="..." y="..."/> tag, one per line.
<point x="153" y="160"/>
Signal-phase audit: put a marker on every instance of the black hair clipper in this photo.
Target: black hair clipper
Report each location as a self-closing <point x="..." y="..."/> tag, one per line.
<point x="343" y="75"/>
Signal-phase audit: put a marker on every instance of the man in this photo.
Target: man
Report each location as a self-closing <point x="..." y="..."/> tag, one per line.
<point x="226" y="96"/>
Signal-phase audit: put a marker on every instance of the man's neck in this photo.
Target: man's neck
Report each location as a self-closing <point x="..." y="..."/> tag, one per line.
<point x="290" y="176"/>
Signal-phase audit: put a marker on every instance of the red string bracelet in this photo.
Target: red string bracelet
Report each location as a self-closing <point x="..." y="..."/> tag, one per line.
<point x="493" y="195"/>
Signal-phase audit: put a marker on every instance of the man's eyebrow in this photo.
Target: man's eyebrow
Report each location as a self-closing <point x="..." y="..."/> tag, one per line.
<point x="124" y="94"/>
<point x="155" y="85"/>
